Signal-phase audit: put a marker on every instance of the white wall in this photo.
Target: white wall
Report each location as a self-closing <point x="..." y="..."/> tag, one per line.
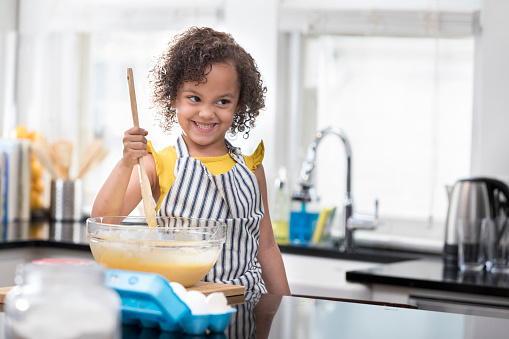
<point x="8" y="23"/>
<point x="490" y="154"/>
<point x="258" y="36"/>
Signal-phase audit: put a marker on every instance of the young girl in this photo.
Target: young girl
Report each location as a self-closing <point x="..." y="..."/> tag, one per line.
<point x="209" y="85"/>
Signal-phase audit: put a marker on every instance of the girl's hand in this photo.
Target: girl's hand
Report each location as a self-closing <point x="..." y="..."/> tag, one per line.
<point x="135" y="146"/>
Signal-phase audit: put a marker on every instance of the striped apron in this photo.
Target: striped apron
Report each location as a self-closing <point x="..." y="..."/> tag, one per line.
<point x="233" y="197"/>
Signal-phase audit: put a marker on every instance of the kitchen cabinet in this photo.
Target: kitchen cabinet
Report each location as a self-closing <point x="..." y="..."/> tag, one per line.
<point x="324" y="277"/>
<point x="427" y="284"/>
<point x="420" y="281"/>
<point x="444" y="301"/>
<point x="321" y="272"/>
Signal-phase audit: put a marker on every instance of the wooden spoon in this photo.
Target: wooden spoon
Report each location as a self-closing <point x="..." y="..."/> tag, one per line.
<point x="63" y="154"/>
<point x="94" y="154"/>
<point x="146" y="192"/>
<point x="93" y="162"/>
<point x="42" y="150"/>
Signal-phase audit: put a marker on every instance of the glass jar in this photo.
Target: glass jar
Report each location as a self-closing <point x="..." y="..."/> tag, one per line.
<point x="62" y="298"/>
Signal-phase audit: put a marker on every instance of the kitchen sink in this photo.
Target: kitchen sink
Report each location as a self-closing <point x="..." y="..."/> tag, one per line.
<point x="321" y="272"/>
<point x="359" y="254"/>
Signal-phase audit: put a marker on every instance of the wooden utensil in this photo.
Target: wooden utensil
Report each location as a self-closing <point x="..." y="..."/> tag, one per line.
<point x="42" y="151"/>
<point x="90" y="153"/>
<point x="56" y="161"/>
<point x="94" y="154"/>
<point x="63" y="155"/>
<point x="146" y="192"/>
<point x="98" y="158"/>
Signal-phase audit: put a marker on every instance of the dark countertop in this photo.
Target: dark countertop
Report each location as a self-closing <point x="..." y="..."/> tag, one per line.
<point x="73" y="235"/>
<point x="68" y="235"/>
<point x="414" y="270"/>
<point x="291" y="317"/>
<point x="274" y="317"/>
<point x="430" y="273"/>
<point x="396" y="268"/>
<point x="360" y="254"/>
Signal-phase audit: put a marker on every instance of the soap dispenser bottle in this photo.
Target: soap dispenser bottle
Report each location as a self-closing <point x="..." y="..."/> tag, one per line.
<point x="303" y="216"/>
<point x="281" y="211"/>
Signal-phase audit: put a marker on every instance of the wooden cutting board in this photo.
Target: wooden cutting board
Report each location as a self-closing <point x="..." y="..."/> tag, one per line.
<point x="208" y="288"/>
<point x="3" y="292"/>
<point x="233" y="293"/>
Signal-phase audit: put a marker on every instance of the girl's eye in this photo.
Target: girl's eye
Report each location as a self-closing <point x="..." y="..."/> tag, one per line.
<point x="223" y="102"/>
<point x="194" y="98"/>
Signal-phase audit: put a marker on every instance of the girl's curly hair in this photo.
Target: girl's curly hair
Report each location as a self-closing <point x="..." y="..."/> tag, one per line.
<point x="189" y="58"/>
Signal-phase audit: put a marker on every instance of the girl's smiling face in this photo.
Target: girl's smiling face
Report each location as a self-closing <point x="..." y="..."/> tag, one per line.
<point x="205" y="110"/>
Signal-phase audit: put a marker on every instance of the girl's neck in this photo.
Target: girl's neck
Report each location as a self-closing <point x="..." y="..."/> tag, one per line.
<point x="204" y="151"/>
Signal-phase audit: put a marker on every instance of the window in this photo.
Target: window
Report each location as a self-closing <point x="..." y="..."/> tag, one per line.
<point x="406" y="105"/>
<point x="402" y="91"/>
<point x="110" y="56"/>
<point x="73" y="57"/>
<point x="343" y="62"/>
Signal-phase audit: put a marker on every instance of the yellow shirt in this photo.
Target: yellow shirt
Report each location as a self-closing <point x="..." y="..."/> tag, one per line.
<point x="165" y="165"/>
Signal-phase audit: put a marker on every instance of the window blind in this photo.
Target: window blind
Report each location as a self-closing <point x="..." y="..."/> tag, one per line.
<point x="427" y="21"/>
<point x="113" y="15"/>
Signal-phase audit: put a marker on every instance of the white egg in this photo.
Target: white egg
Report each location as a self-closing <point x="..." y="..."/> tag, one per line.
<point x="178" y="289"/>
<point x="217" y="303"/>
<point x="197" y="302"/>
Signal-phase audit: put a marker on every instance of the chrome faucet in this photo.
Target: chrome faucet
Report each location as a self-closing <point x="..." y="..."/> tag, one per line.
<point x="350" y="221"/>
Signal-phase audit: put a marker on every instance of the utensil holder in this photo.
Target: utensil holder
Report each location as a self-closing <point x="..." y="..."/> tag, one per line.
<point x="66" y="200"/>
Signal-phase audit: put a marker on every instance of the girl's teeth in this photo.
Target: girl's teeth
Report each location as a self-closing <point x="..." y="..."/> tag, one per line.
<point x="205" y="126"/>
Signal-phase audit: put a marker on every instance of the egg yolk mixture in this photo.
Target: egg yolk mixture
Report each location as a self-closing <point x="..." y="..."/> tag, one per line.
<point x="186" y="266"/>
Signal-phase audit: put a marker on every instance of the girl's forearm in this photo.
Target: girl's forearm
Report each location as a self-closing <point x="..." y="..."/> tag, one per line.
<point x="111" y="197"/>
<point x="273" y="272"/>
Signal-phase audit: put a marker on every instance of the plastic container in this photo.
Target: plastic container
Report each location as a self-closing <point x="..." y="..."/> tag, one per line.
<point x="149" y="301"/>
<point x="303" y="217"/>
<point x="61" y="298"/>
<point x="281" y="211"/>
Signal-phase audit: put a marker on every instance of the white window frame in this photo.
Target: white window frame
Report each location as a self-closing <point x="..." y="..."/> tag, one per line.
<point x="491" y="102"/>
<point x="299" y="19"/>
<point x="68" y="24"/>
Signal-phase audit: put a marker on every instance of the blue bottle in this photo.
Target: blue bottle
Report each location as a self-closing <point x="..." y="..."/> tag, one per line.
<point x="303" y="219"/>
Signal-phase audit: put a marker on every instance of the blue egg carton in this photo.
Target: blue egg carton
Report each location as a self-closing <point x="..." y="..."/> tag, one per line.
<point x="149" y="301"/>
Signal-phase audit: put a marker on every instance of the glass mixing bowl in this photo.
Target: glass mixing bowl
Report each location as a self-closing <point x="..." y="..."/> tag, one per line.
<point x="182" y="250"/>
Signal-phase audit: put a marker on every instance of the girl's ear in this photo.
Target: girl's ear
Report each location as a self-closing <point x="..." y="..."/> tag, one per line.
<point x="237" y="109"/>
<point x="173" y="104"/>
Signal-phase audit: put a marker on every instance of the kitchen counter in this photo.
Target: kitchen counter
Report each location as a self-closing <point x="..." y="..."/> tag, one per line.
<point x="65" y="235"/>
<point x="380" y="256"/>
<point x="276" y="317"/>
<point x="291" y="316"/>
<point x="395" y="268"/>
<point x="72" y="235"/>
<point x="430" y="273"/>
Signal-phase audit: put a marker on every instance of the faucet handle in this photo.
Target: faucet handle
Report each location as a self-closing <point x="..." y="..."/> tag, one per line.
<point x="363" y="221"/>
